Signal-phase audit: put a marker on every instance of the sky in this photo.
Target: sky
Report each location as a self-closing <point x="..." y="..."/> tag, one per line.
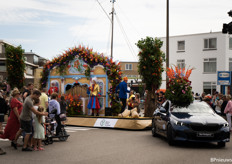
<point x="49" y="27"/>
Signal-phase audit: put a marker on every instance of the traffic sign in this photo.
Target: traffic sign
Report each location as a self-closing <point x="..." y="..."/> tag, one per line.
<point x="224" y="78"/>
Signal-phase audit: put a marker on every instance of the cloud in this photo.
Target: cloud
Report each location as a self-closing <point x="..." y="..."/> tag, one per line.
<point x="60" y="24"/>
<point x="14" y="11"/>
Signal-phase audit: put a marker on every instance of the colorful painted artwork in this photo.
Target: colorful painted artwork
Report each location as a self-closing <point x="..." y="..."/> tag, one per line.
<point x="56" y="84"/>
<point x="77" y="66"/>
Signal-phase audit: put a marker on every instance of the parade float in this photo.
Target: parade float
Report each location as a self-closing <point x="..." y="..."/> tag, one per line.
<point x="72" y="74"/>
<point x="179" y="90"/>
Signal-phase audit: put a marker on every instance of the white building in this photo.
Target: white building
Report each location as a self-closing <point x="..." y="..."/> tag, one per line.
<point x="207" y="53"/>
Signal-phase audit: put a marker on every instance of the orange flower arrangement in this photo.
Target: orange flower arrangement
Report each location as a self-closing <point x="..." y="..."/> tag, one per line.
<point x="74" y="105"/>
<point x="179" y="90"/>
<point x="178" y="72"/>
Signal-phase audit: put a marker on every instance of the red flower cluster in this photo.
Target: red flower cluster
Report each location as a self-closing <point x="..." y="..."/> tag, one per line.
<point x="74" y="105"/>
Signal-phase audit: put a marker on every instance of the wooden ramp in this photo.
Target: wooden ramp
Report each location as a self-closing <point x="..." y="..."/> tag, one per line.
<point x="111" y="122"/>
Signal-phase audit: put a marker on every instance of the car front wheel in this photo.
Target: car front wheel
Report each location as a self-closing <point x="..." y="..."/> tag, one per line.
<point x="221" y="144"/>
<point x="153" y="130"/>
<point x="170" y="135"/>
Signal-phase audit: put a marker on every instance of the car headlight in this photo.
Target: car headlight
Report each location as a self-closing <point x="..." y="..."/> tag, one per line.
<point x="178" y="123"/>
<point x="225" y="125"/>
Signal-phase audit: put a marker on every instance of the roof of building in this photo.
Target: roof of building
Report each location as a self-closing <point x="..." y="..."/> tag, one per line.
<point x="32" y="53"/>
<point x="193" y="34"/>
<point x="3" y="41"/>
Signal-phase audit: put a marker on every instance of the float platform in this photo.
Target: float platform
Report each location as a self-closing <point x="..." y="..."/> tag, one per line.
<point x="142" y="123"/>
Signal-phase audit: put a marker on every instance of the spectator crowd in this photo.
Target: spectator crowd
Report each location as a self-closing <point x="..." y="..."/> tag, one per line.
<point x="25" y="112"/>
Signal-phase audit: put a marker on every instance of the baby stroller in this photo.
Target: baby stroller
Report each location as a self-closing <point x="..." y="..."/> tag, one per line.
<point x="51" y="128"/>
<point x="48" y="131"/>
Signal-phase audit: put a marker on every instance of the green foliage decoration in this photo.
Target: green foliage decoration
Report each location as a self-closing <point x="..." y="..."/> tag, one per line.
<point x="179" y="92"/>
<point x="151" y="60"/>
<point x="88" y="72"/>
<point x="15" y="63"/>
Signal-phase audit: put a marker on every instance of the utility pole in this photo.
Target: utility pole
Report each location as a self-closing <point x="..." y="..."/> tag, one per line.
<point x="112" y="32"/>
<point x="167" y="42"/>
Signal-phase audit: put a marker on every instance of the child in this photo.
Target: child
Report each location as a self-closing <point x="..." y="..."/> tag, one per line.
<point x="38" y="130"/>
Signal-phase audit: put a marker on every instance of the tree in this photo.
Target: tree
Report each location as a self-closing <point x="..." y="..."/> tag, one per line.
<point x="15" y="64"/>
<point x="150" y="68"/>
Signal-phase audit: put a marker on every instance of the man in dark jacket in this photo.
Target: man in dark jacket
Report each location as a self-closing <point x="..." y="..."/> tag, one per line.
<point x="123" y="92"/>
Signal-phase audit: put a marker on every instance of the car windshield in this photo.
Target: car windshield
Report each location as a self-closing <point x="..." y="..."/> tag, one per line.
<point x="196" y="107"/>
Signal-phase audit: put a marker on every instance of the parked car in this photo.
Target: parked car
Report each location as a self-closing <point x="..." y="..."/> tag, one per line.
<point x="197" y="122"/>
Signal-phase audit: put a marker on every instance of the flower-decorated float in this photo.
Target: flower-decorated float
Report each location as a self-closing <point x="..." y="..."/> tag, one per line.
<point x="72" y="73"/>
<point x="179" y="90"/>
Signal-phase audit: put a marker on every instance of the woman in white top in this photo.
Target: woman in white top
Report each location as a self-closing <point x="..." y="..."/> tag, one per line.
<point x="38" y="127"/>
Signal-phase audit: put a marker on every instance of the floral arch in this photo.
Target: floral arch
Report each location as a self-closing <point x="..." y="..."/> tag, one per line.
<point x="111" y="68"/>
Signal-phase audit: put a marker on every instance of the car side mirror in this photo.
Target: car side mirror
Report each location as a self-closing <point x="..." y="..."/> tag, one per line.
<point x="162" y="110"/>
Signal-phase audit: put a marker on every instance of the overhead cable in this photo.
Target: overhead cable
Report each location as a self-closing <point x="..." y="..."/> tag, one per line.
<point x="104" y="11"/>
<point x="126" y="38"/>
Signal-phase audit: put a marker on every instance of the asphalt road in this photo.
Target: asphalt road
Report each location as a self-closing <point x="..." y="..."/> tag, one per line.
<point x="110" y="146"/>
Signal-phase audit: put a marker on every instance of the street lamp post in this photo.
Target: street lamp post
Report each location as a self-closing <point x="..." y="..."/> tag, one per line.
<point x="112" y="32"/>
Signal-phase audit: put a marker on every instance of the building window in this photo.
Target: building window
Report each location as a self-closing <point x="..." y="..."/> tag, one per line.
<point x="209" y="87"/>
<point x="180" y="45"/>
<point x="230" y="43"/>
<point x="2" y="66"/>
<point x="29" y="70"/>
<point x="181" y="63"/>
<point x="210" y="65"/>
<point x="1" y="47"/>
<point x="210" y="43"/>
<point x="230" y="64"/>
<point x="36" y="60"/>
<point x="128" y="67"/>
<point x="41" y="62"/>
